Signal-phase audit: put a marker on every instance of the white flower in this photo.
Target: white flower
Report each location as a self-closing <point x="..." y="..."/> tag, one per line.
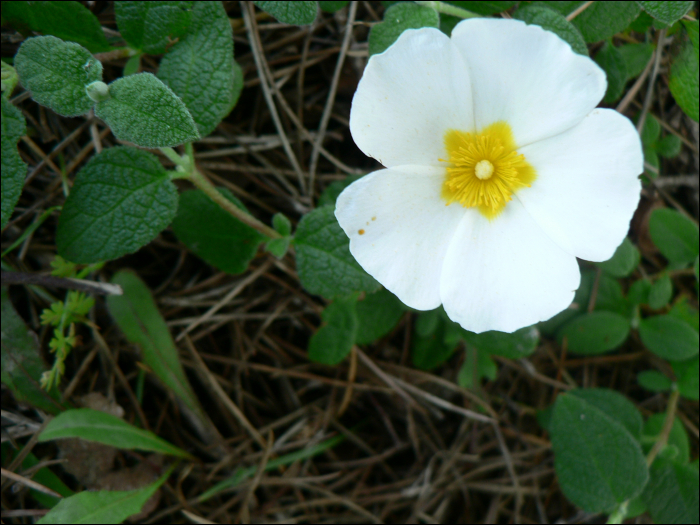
<point x="500" y="172"/>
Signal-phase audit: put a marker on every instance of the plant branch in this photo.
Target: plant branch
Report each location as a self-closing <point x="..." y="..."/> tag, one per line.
<point x="666" y="429"/>
<point x="449" y="9"/>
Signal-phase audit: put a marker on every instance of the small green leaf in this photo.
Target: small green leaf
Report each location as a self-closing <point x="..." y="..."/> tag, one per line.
<point x="517" y="345"/>
<point x="669" y="337"/>
<point x="291" y="12"/>
<point x="650" y="131"/>
<point x="22" y="365"/>
<point x="324" y="262"/>
<point x="334" y="340"/>
<point x="334" y="189"/>
<point x="660" y="292"/>
<point x="636" y="57"/>
<point x="70" y="21"/>
<point x="397" y="19"/>
<point x="476" y="366"/>
<point x="278" y="247"/>
<point x="101" y="427"/>
<point x="683" y="81"/>
<point x="669" y="146"/>
<point x="610" y="296"/>
<point x="624" y="260"/>
<point x="684" y="310"/>
<point x="138" y="317"/>
<point x="281" y="224"/>
<point x="14" y="169"/>
<point x="213" y="234"/>
<point x="56" y="73"/>
<point x="377" y="314"/>
<point x="674" y="235"/>
<point x="150" y="26"/>
<point x="654" y="381"/>
<point x="595" y="332"/>
<point x="200" y="67"/>
<point x="102" y="506"/>
<point x="143" y="110"/>
<point x="332" y="7"/>
<point x="615" y="67"/>
<point x="687" y="377"/>
<point x="602" y="20"/>
<point x="555" y="22"/>
<point x="433" y="343"/>
<point x="639" y="292"/>
<point x="677" y="437"/>
<point x="667" y="12"/>
<point x="120" y="201"/>
<point x="672" y="493"/>
<point x="598" y="462"/>
<point x="614" y="405"/>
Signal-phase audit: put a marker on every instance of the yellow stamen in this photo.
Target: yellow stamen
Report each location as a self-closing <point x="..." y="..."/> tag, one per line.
<point x="484" y="169"/>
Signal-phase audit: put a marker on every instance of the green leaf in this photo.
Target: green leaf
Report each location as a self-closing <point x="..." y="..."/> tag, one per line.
<point x="397" y="19"/>
<point x="615" y="67"/>
<point x="602" y="20"/>
<point x="669" y="337"/>
<point x="636" y="57"/>
<point x="614" y="405"/>
<point x="684" y="310"/>
<point x="650" y="131"/>
<point x="14" y="169"/>
<point x="334" y="189"/>
<point x="324" y="262"/>
<point x="555" y="22"/>
<point x="610" y="296"/>
<point x="101" y="427"/>
<point x="577" y="307"/>
<point x="485" y="8"/>
<point x="200" y="67"/>
<point x="213" y="234"/>
<point x="683" y="81"/>
<point x="291" y="12"/>
<point x="377" y="315"/>
<point x="660" y="292"/>
<point x="102" y="506"/>
<point x="677" y="437"/>
<point x="137" y="315"/>
<point x="595" y="333"/>
<point x="639" y="292"/>
<point x="45" y="477"/>
<point x="143" y="110"/>
<point x="432" y="342"/>
<point x="669" y="146"/>
<point x="598" y="462"/>
<point x="687" y="377"/>
<point x="56" y="73"/>
<point x="334" y="340"/>
<point x="66" y="20"/>
<point x="120" y="201"/>
<point x="150" y="26"/>
<point x="667" y="12"/>
<point x="281" y="224"/>
<point x="674" y="235"/>
<point x="654" y="381"/>
<point x="672" y="493"/>
<point x="22" y="365"/>
<point x="624" y="260"/>
<point x="476" y="366"/>
<point x="332" y="7"/>
<point x="517" y="345"/>
<point x="278" y="247"/>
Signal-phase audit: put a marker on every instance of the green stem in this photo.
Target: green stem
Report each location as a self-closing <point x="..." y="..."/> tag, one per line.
<point x="203" y="184"/>
<point x="666" y="429"/>
<point x="619" y="514"/>
<point x="449" y="9"/>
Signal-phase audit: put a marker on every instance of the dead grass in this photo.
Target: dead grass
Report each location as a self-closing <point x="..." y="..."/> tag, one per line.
<point x="418" y="448"/>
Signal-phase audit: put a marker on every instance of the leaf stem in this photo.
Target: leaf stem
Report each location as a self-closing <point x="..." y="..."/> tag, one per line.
<point x="666" y="429"/>
<point x="207" y="187"/>
<point x="449" y="9"/>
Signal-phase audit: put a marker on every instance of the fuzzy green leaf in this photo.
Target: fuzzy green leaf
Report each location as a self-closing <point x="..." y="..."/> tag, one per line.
<point x="674" y="235"/>
<point x="654" y="381"/>
<point x="595" y="332"/>
<point x="332" y="7"/>
<point x="661" y="292"/>
<point x="200" y="67"/>
<point x="669" y="337"/>
<point x="636" y="57"/>
<point x="56" y="73"/>
<point x="667" y="12"/>
<point x="324" y="262"/>
<point x="602" y="20"/>
<point x="14" y="169"/>
<point x="517" y="345"/>
<point x="334" y="340"/>
<point x="397" y="19"/>
<point x="377" y="314"/>
<point x="599" y="463"/>
<point x="687" y="377"/>
<point x="615" y="67"/>
<point x="143" y="110"/>
<point x="120" y="201"/>
<point x="672" y="493"/>
<point x="298" y="13"/>
<point x="624" y="260"/>
<point x="614" y="405"/>
<point x="150" y="26"/>
<point x="684" y="73"/>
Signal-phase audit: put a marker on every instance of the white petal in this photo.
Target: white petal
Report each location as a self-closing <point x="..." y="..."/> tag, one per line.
<point x="408" y="97"/>
<point x="587" y="185"/>
<point x="406" y="229"/>
<point x="505" y="274"/>
<point x="526" y="76"/>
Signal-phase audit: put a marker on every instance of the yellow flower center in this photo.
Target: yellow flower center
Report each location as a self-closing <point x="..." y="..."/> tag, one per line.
<point x="484" y="169"/>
